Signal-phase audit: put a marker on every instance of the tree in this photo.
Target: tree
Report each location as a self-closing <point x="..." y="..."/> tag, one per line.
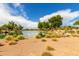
<point x="11" y="28"/>
<point x="76" y="22"/>
<point x="40" y="26"/>
<point x="43" y="25"/>
<point x="55" y="21"/>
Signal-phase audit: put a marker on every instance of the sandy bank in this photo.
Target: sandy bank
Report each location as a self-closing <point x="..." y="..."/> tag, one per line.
<point x="65" y="46"/>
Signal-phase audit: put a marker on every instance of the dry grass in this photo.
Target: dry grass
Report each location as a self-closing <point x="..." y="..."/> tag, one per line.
<point x="50" y="48"/>
<point x="44" y="40"/>
<point x="46" y="54"/>
<point x="54" y="39"/>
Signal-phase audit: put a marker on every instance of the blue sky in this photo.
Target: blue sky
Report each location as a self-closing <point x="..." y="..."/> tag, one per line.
<point x="36" y="10"/>
<point x="31" y="13"/>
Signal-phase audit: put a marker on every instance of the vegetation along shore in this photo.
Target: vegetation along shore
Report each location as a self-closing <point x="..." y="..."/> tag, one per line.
<point x="53" y="39"/>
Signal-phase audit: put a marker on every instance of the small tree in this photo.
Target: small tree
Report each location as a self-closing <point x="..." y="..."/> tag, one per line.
<point x="76" y="22"/>
<point x="55" y="21"/>
<point x="43" y="25"/>
<point x="40" y="26"/>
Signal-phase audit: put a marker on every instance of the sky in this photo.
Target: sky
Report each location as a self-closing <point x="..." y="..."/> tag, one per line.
<point x="29" y="14"/>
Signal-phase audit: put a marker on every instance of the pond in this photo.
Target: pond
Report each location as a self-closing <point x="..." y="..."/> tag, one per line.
<point x="30" y="34"/>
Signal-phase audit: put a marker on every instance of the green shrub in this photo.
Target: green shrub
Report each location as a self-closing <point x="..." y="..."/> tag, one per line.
<point x="38" y="36"/>
<point x="15" y="39"/>
<point x="2" y="36"/>
<point x="20" y="37"/>
<point x="50" y="48"/>
<point x="12" y="33"/>
<point x="47" y="54"/>
<point x="42" y="34"/>
<point x="9" y="37"/>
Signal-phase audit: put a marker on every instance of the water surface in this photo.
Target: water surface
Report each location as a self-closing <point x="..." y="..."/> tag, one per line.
<point x="30" y="34"/>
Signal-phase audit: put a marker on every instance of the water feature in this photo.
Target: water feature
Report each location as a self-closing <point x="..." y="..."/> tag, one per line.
<point x="30" y="34"/>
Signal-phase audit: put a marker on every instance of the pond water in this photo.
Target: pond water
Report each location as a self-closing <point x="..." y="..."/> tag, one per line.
<point x="30" y="34"/>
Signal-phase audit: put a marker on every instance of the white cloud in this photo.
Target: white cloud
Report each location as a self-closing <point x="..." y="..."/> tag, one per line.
<point x="67" y="15"/>
<point x="5" y="17"/>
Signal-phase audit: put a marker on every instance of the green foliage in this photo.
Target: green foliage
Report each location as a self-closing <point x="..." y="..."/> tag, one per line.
<point x="2" y="36"/>
<point x="76" y="22"/>
<point x="55" y="21"/>
<point x="47" y="54"/>
<point x="38" y="36"/>
<point x="42" y="34"/>
<point x="43" y="25"/>
<point x="10" y="29"/>
<point x="9" y="38"/>
<point x="20" y="37"/>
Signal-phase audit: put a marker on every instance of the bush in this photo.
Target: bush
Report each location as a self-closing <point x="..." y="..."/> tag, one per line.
<point x="2" y="36"/>
<point x="15" y="39"/>
<point x="78" y="31"/>
<point x="47" y="54"/>
<point x="48" y="36"/>
<point x="54" y="39"/>
<point x="56" y="36"/>
<point x="38" y="36"/>
<point x="50" y="48"/>
<point x="72" y="32"/>
<point x="9" y="38"/>
<point x="42" y="34"/>
<point x="44" y="40"/>
<point x="20" y="37"/>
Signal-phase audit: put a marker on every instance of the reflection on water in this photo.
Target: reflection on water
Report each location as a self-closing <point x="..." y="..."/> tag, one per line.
<point x="30" y="34"/>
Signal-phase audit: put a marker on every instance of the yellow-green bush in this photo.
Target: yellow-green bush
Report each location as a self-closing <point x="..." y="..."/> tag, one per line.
<point x="9" y="37"/>
<point x="54" y="35"/>
<point x="48" y="36"/>
<point x="38" y="36"/>
<point x="20" y="37"/>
